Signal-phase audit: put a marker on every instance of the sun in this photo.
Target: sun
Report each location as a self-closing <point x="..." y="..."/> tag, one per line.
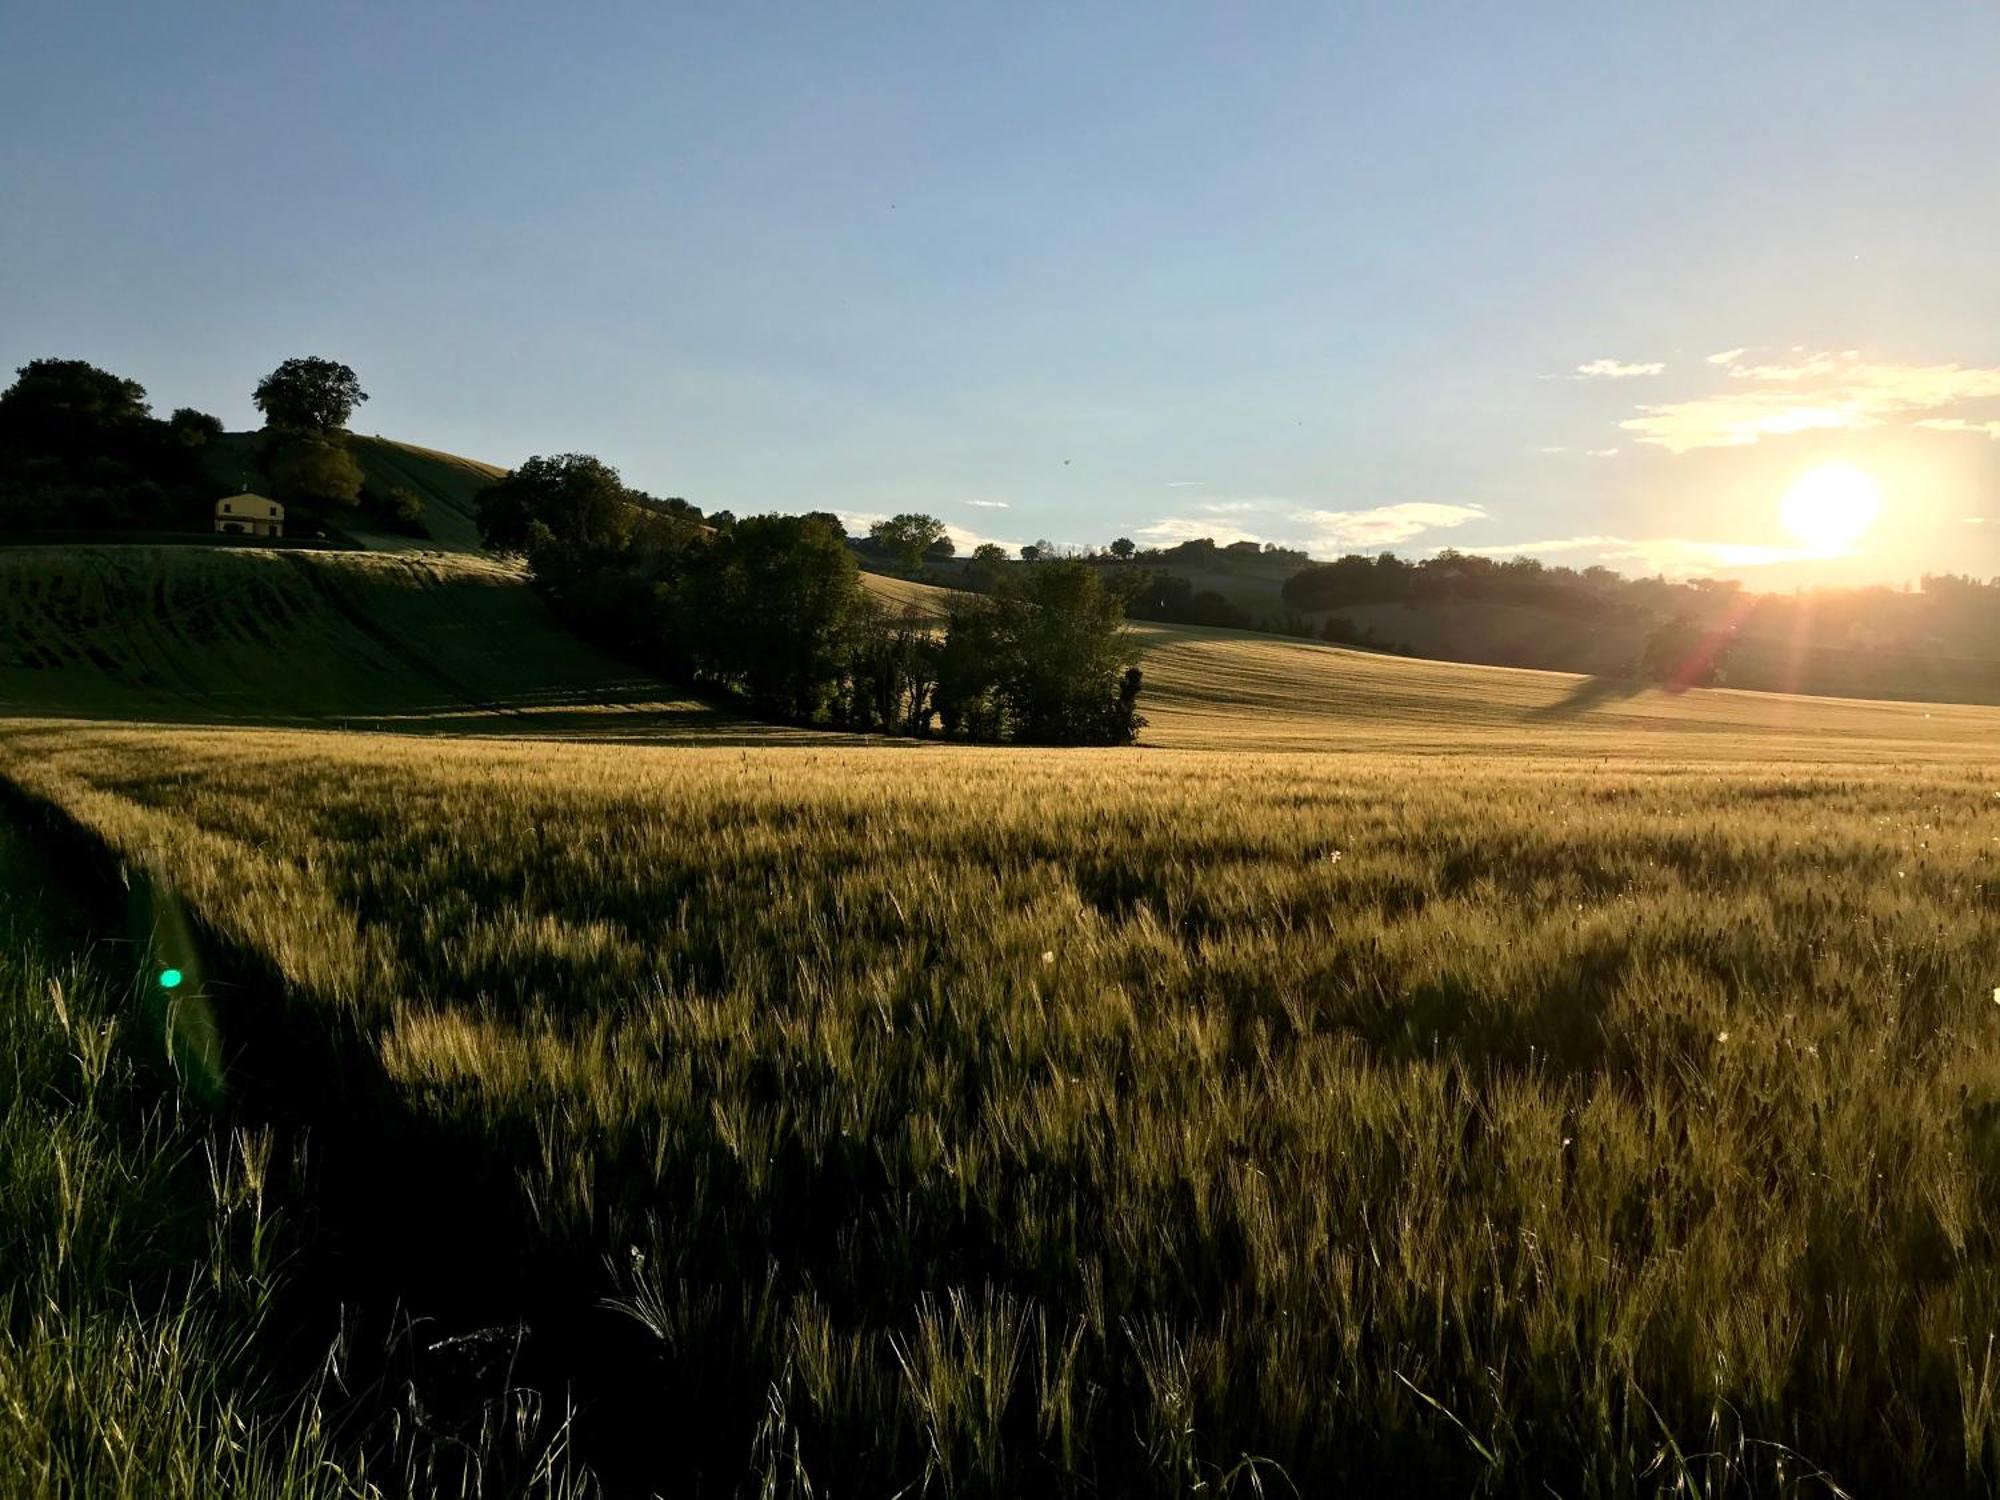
<point x="1831" y="508"/>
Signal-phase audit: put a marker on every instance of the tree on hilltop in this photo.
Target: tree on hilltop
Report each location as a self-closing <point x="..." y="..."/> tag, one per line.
<point x="309" y="395"/>
<point x="1123" y="548"/>
<point x="69" y="407"/>
<point x="194" y="429"/>
<point x="907" y="538"/>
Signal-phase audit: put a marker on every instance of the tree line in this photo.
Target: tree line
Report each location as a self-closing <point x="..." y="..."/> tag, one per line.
<point x="80" y="450"/>
<point x="769" y="612"/>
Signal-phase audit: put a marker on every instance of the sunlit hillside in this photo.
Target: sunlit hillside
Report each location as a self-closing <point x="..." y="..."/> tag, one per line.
<point x="421" y="641"/>
<point x="428" y="641"/>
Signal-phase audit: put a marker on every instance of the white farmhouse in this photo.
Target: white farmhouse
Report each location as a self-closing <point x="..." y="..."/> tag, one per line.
<point x="250" y="515"/>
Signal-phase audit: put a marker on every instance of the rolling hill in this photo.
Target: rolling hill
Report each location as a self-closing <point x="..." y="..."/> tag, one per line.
<point x="447" y="484"/>
<point x="409" y="640"/>
<point x="434" y="642"/>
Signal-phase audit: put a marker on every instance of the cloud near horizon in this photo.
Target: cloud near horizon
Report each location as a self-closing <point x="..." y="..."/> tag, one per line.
<point x="1615" y="369"/>
<point x="1811" y="391"/>
<point x="1676" y="557"/>
<point x="1318" y="531"/>
<point x="1959" y="424"/>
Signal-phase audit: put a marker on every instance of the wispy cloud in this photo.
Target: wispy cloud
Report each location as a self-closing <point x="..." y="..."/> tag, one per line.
<point x="1677" y="557"/>
<point x="1586" y="452"/>
<point x="1169" y="530"/>
<point x="988" y="504"/>
<point x="1186" y="484"/>
<point x="1726" y="357"/>
<point x="1808" y="392"/>
<point x="1615" y="369"/>
<point x="1319" y="531"/>
<point x="1958" y="424"/>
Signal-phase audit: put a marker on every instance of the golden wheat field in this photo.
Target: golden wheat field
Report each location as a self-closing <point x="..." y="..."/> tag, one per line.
<point x="1389" y="1076"/>
<point x="1604" y="1108"/>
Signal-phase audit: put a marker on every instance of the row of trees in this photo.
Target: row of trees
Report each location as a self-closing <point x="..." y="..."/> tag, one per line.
<point x="769" y="611"/>
<point x="81" y="449"/>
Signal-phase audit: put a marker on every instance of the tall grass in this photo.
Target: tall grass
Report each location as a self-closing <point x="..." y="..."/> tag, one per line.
<point x="1109" y="1122"/>
<point x="145" y="1256"/>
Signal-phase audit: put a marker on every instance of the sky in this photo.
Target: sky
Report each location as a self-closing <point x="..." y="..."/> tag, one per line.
<point x="1593" y="283"/>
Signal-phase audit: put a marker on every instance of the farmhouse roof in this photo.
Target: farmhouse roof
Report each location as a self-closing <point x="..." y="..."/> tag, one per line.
<point x="241" y="505"/>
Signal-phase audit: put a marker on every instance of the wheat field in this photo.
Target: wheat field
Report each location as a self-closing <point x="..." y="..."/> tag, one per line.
<point x="1174" y="1122"/>
<point x="1389" y="1076"/>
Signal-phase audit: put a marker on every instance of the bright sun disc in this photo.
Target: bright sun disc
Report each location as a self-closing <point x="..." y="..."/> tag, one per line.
<point x="1831" y="508"/>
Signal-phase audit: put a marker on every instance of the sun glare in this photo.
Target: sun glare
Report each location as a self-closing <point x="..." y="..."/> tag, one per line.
<point x="1831" y="508"/>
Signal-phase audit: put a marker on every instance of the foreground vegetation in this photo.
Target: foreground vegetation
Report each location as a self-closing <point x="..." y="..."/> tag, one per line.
<point x="151" y="1248"/>
<point x="1114" y="1122"/>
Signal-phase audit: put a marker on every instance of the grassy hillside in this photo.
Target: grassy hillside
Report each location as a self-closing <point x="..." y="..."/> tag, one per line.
<point x="445" y="483"/>
<point x="423" y="641"/>
<point x="1764" y="659"/>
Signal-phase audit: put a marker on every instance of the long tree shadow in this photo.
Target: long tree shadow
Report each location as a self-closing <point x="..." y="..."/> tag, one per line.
<point x="1588" y="694"/>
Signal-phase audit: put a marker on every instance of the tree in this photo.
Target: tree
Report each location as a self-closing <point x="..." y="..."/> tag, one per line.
<point x="907" y="537"/>
<point x="575" y="498"/>
<point x="401" y="509"/>
<point x="1044" y="661"/>
<point x="987" y="563"/>
<point x="1031" y="552"/>
<point x="1123" y="548"/>
<point x="830" y="521"/>
<point x="71" y="409"/>
<point x="309" y="395"/>
<point x="194" y="429"/>
<point x="1682" y="653"/>
<point x="779" y="610"/>
<point x="314" y="471"/>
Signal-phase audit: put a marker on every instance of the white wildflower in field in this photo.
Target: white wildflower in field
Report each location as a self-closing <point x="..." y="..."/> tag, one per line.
<point x="1048" y="955"/>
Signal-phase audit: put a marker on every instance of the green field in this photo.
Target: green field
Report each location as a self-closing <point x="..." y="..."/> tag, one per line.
<point x="1390" y="1077"/>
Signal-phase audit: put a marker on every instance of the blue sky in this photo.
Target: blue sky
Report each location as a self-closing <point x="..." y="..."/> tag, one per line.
<point x="1341" y="276"/>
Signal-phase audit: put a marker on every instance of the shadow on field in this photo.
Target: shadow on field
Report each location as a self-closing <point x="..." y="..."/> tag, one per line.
<point x="1588" y="694"/>
<point x="693" y="726"/>
<point x="414" y="1254"/>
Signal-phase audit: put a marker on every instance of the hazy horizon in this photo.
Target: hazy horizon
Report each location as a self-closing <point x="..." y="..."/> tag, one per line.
<point x="1581" y="284"/>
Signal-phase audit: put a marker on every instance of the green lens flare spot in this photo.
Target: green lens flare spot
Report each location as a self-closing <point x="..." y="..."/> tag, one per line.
<point x="170" y="979"/>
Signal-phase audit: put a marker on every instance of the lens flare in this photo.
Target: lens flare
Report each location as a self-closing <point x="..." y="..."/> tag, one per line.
<point x="170" y="979"/>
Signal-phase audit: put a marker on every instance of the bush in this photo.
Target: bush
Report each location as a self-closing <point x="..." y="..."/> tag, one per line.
<point x="577" y="499"/>
<point x="315" y="471"/>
